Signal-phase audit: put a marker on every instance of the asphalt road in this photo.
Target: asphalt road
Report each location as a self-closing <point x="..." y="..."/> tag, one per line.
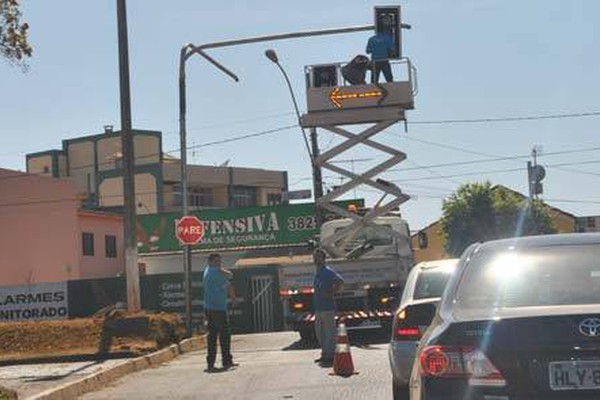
<point x="272" y="366"/>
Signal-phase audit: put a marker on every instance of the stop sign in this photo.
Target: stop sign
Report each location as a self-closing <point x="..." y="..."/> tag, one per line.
<point x="189" y="230"/>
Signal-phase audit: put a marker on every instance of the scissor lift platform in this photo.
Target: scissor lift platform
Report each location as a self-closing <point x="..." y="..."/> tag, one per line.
<point x="332" y="103"/>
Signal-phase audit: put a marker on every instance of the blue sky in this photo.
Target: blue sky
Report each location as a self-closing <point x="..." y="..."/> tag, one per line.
<point x="475" y="58"/>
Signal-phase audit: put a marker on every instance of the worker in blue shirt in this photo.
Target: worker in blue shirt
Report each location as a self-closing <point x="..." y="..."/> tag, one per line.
<point x="327" y="282"/>
<point x="217" y="286"/>
<point x="381" y="47"/>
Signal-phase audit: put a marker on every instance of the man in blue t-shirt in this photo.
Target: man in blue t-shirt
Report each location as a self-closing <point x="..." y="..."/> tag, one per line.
<point x="217" y="286"/>
<point x="327" y="282"/>
<point x="381" y="48"/>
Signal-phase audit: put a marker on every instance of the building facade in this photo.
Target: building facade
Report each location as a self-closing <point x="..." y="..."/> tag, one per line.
<point x="95" y="164"/>
<point x="45" y="237"/>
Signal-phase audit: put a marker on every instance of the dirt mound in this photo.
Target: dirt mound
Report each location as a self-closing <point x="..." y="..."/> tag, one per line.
<point x="115" y="332"/>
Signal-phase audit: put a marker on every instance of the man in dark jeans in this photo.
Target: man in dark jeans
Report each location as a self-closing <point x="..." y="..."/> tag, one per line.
<point x="217" y="284"/>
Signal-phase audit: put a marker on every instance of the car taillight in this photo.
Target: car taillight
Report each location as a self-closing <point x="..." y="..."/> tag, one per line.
<point x="403" y="328"/>
<point x="407" y="333"/>
<point x="460" y="362"/>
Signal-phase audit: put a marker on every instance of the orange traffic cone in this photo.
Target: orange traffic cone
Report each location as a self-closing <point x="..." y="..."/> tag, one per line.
<point x="342" y="359"/>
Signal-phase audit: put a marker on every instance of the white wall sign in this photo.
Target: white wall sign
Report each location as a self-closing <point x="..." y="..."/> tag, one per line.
<point x="44" y="301"/>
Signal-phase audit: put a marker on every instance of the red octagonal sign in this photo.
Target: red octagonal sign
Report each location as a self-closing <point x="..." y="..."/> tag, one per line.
<point x="189" y="230"/>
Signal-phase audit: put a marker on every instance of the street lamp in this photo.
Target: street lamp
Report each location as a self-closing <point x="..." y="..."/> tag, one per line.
<point x="272" y="56"/>
<point x="317" y="178"/>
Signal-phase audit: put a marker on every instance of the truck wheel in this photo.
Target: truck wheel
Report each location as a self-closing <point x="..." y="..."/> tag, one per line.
<point x="400" y="392"/>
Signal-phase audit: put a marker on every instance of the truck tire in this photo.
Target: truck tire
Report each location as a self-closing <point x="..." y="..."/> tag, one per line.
<point x="400" y="392"/>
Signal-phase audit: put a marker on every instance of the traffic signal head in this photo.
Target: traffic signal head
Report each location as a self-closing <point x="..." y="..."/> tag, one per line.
<point x="387" y="20"/>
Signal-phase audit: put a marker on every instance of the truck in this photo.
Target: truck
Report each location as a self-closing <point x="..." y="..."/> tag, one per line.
<point x="378" y="258"/>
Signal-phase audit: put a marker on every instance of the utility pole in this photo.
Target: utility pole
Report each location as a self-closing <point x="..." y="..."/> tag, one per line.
<point x="187" y="250"/>
<point x="129" y="226"/>
<point x="535" y="174"/>
<point x="317" y="176"/>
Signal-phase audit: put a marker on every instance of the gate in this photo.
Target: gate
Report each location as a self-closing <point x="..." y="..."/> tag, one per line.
<point x="262" y="303"/>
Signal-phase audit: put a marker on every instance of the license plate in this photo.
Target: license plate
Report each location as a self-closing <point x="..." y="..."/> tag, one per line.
<point x="574" y="375"/>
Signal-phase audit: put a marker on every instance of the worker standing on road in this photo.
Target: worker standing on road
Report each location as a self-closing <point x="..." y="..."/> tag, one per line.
<point x="327" y="282"/>
<point x="217" y="283"/>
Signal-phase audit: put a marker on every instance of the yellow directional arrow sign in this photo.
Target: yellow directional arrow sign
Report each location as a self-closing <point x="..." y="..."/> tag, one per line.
<point x="337" y="97"/>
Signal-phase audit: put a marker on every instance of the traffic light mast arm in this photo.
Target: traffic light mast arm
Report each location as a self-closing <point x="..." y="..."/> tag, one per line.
<point x="189" y="49"/>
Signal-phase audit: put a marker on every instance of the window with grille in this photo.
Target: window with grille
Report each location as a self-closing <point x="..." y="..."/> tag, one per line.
<point x="243" y="196"/>
<point x="87" y="239"/>
<point x="110" y="245"/>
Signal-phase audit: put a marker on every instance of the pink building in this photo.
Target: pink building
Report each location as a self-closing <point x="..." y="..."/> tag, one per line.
<point x="46" y="237"/>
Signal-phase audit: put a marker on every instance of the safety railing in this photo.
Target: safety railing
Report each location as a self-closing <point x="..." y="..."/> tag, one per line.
<point x="357" y="73"/>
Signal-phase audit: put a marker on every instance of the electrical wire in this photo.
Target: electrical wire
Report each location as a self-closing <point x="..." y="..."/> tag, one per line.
<point x="507" y="119"/>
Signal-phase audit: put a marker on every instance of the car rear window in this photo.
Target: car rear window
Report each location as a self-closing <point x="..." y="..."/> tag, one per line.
<point x="431" y="283"/>
<point x="530" y="277"/>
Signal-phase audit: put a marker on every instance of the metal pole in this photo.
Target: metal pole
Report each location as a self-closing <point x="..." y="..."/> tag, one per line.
<point x="529" y="180"/>
<point x="131" y="268"/>
<point x="187" y="253"/>
<point x="317" y="177"/>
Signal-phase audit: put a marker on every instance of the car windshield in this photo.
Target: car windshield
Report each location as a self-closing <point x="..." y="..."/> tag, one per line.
<point x="542" y="276"/>
<point x="431" y="283"/>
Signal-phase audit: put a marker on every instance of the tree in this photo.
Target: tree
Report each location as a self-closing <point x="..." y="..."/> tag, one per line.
<point x="478" y="212"/>
<point x="14" y="46"/>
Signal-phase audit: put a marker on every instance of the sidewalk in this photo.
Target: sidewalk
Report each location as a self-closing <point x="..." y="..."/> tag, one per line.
<point x="68" y="380"/>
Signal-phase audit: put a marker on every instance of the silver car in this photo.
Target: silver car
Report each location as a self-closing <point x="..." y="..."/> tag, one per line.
<point x="422" y="292"/>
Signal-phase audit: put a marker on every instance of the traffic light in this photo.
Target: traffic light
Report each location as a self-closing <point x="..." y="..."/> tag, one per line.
<point x="536" y="174"/>
<point x="387" y="19"/>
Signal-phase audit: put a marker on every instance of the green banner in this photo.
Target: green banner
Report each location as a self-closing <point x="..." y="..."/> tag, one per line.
<point x="235" y="227"/>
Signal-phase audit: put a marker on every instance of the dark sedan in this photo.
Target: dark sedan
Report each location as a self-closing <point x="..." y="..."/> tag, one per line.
<point x="519" y="320"/>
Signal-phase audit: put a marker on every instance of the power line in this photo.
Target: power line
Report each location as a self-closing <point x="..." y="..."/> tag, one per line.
<point x="496" y="171"/>
<point x="153" y="155"/>
<point x="507" y="119"/>
<point x="573" y="201"/>
<point x="502" y="119"/>
<point x="500" y="158"/>
<point x="65" y="199"/>
<point x="242" y="121"/>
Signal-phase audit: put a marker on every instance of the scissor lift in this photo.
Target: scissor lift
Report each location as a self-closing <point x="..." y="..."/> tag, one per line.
<point x="333" y="103"/>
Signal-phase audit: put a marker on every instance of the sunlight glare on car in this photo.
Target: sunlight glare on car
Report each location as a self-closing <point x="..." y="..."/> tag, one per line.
<point x="506" y="267"/>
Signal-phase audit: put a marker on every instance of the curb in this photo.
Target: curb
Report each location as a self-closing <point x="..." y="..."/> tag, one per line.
<point x="100" y="379"/>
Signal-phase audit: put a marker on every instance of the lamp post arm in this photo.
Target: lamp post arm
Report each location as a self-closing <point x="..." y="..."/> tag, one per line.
<point x="287" y="80"/>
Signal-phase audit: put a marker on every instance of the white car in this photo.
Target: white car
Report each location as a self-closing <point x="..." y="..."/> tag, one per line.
<point x="422" y="292"/>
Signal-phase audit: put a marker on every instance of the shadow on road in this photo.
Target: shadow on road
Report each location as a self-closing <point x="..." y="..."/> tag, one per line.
<point x="57" y="377"/>
<point x="302" y="345"/>
<point x="363" y="340"/>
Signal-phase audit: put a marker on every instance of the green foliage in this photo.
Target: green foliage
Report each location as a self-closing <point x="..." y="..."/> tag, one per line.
<point x="479" y="212"/>
<point x="14" y="46"/>
<point x="7" y="394"/>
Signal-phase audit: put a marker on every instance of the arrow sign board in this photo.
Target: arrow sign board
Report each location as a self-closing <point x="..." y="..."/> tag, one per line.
<point x="341" y="97"/>
<point x="189" y="230"/>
